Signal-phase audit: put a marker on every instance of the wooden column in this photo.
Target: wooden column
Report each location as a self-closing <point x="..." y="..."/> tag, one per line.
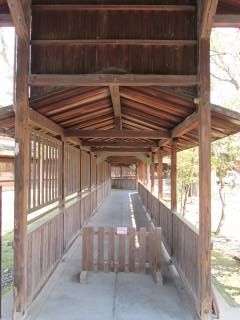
<point x="204" y="244"/>
<point x="160" y="174"/>
<point x="63" y="187"/>
<point x="174" y="175"/>
<point x="152" y="170"/>
<point x="22" y="158"/>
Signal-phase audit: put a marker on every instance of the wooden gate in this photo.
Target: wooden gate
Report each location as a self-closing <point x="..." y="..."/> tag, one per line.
<point x="121" y="249"/>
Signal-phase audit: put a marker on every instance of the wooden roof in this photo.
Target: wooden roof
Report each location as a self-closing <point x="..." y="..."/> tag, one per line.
<point x="87" y="112"/>
<point x="118" y="76"/>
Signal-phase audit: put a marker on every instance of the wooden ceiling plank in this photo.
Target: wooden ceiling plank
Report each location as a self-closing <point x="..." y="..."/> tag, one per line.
<point x="153" y="102"/>
<point x="117" y="134"/>
<point x="112" y="79"/>
<point x="19" y="19"/>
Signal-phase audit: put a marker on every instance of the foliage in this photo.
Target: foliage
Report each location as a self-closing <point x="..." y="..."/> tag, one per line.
<point x="187" y="174"/>
<point x="225" y="152"/>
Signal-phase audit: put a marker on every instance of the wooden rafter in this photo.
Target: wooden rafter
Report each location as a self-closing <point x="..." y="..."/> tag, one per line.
<point x="39" y="120"/>
<point x="115" y="96"/>
<point x="186" y="125"/>
<point x="208" y="13"/>
<point x="154" y="134"/>
<point x="18" y="17"/>
<point x="112" y="79"/>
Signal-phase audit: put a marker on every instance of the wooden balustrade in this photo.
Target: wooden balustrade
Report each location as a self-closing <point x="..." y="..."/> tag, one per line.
<point x="179" y="236"/>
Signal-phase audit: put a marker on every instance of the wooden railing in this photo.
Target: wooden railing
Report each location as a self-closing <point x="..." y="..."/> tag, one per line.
<point x="179" y="237"/>
<point x="48" y="242"/>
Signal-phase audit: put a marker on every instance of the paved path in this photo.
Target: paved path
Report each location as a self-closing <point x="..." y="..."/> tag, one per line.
<point x="109" y="296"/>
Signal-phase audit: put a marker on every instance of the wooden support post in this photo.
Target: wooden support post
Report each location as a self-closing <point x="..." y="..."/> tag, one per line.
<point x="152" y="168"/>
<point x="160" y="173"/>
<point x="63" y="187"/>
<point x="22" y="158"/>
<point x="204" y="244"/>
<point x="174" y="175"/>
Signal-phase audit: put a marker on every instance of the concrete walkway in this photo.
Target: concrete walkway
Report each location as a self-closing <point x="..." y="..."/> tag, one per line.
<point x="110" y="296"/>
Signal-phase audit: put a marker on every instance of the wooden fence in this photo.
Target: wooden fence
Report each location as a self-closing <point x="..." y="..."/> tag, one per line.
<point x="179" y="236"/>
<point x="121" y="249"/>
<point x="62" y="174"/>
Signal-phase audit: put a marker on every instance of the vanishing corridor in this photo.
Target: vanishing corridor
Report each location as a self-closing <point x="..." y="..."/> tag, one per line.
<point x="108" y="296"/>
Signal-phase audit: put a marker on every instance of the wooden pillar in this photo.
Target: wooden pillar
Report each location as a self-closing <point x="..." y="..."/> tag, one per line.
<point x="174" y="175"/>
<point x="160" y="174"/>
<point x="63" y="187"/>
<point x="204" y="244"/>
<point x="22" y="158"/>
<point x="152" y="170"/>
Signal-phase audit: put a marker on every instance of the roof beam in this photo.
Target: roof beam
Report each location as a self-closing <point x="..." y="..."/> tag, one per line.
<point x="115" y="96"/>
<point x="208" y="13"/>
<point x="18" y="17"/>
<point x="119" y="144"/>
<point x="227" y="21"/>
<point x="186" y="125"/>
<point x="118" y="7"/>
<point x="112" y="79"/>
<point x="39" y="120"/>
<point x="154" y="134"/>
<point x="122" y="149"/>
<point x="100" y="42"/>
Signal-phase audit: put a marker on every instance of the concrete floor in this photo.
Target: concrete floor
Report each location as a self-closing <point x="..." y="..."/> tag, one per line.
<point x="110" y="296"/>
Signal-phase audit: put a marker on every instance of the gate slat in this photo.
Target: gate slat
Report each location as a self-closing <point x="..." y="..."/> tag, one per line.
<point x="142" y="251"/>
<point x="121" y="253"/>
<point x="111" y="247"/>
<point x="100" y="249"/>
<point x="90" y="249"/>
<point x="132" y="250"/>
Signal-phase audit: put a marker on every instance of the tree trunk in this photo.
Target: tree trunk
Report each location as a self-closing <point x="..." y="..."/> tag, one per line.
<point x="222" y="218"/>
<point x="185" y="199"/>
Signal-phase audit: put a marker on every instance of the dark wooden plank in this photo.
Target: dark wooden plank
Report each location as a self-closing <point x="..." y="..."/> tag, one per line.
<point x="111" y="79"/>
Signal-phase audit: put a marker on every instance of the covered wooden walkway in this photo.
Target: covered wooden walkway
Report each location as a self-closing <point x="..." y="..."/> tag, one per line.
<point x="100" y="84"/>
<point x="111" y="296"/>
